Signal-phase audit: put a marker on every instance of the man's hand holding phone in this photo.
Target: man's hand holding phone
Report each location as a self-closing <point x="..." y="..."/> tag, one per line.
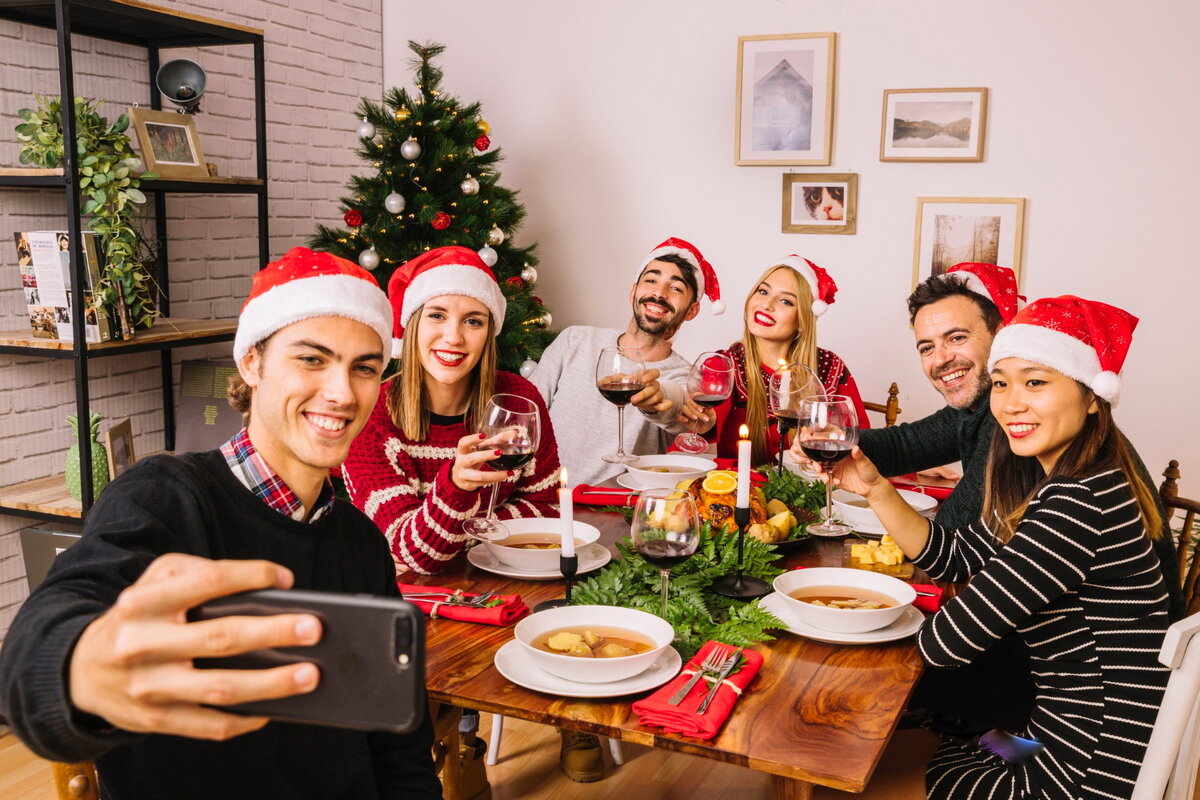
<point x="133" y="667"/>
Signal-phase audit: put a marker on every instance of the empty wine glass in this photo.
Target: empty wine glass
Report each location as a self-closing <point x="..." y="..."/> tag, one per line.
<point x="619" y="377"/>
<point x="666" y="530"/>
<point x="786" y="390"/>
<point x="709" y="383"/>
<point x="510" y="424"/>
<point x="828" y="432"/>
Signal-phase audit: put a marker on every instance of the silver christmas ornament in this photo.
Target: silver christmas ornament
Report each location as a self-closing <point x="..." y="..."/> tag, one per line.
<point x="394" y="203"/>
<point x="365" y="129"/>
<point x="545" y="320"/>
<point x="488" y="255"/>
<point x="410" y="149"/>
<point x="529" y="274"/>
<point x="527" y="368"/>
<point x="368" y="259"/>
<point x="495" y="236"/>
<point x="469" y="185"/>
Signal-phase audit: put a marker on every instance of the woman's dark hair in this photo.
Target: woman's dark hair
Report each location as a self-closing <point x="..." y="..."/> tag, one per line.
<point x="1012" y="480"/>
<point x="812" y="196"/>
<point x="939" y="287"/>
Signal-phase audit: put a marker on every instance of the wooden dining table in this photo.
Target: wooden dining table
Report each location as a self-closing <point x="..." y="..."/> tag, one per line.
<point x="816" y="713"/>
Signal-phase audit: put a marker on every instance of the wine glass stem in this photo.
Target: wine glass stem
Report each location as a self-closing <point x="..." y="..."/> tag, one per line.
<point x="491" y="512"/>
<point x="782" y="439"/>
<point x="665" y="573"/>
<point x="828" y="501"/>
<point x="620" y="430"/>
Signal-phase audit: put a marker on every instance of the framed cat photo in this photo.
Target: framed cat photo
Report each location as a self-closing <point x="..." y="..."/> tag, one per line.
<point x="823" y="202"/>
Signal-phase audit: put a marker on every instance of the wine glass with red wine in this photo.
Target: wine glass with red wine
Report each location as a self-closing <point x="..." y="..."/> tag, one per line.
<point x="709" y="383"/>
<point x="786" y="390"/>
<point x="510" y="424"/>
<point x="666" y="530"/>
<point x="828" y="432"/>
<point x="619" y="377"/>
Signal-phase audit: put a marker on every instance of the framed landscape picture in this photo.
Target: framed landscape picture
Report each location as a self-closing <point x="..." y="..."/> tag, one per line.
<point x="933" y="124"/>
<point x="785" y="99"/>
<point x="168" y="143"/>
<point x="951" y="230"/>
<point x="823" y="202"/>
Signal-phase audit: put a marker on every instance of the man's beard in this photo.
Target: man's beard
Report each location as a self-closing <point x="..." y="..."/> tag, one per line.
<point x="664" y="327"/>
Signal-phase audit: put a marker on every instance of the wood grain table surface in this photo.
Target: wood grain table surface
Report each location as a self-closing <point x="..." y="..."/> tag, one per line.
<point x="816" y="713"/>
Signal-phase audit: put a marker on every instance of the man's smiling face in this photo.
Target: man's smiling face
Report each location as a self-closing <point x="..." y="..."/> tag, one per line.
<point x="953" y="342"/>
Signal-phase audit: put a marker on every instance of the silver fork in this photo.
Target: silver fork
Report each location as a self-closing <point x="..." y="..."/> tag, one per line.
<point x="712" y="663"/>
<point x="726" y="669"/>
<point x="478" y="601"/>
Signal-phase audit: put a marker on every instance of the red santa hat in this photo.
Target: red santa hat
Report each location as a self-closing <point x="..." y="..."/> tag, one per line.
<point x="441" y="271"/>
<point x="1083" y="339"/>
<point x="706" y="276"/>
<point x="997" y="284"/>
<point x="822" y="286"/>
<point x="306" y="284"/>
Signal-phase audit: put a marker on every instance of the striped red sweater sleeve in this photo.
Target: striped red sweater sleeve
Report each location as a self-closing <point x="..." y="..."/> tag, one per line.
<point x="406" y="489"/>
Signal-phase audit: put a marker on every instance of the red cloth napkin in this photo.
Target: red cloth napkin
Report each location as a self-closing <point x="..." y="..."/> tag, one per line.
<point x="913" y="484"/>
<point x="509" y="610"/>
<point x="930" y="604"/>
<point x="603" y="495"/>
<point x="656" y="712"/>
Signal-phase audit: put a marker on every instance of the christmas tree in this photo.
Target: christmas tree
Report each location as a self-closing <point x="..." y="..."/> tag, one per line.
<point x="434" y="183"/>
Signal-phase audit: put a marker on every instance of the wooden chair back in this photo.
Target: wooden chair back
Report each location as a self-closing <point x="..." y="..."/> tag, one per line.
<point x="1169" y="769"/>
<point x="1182" y="508"/>
<point x="889" y="409"/>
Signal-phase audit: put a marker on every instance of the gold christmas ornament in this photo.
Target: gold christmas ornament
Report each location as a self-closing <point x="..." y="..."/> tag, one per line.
<point x="495" y="236"/>
<point x="402" y="114"/>
<point x="484" y="127"/>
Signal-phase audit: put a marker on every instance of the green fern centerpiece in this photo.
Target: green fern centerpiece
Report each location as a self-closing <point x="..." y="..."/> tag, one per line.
<point x="99" y="458"/>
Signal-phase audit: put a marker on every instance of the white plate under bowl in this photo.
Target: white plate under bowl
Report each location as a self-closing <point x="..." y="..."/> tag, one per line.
<point x="863" y="519"/>
<point x="591" y="558"/>
<point x="514" y="662"/>
<point x="631" y="481"/>
<point x="906" y="624"/>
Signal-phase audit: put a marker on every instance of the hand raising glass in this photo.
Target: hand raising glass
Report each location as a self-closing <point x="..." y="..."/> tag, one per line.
<point x="709" y="383"/>
<point x="787" y="389"/>
<point x="828" y="432"/>
<point x="510" y="426"/>
<point x="666" y="530"/>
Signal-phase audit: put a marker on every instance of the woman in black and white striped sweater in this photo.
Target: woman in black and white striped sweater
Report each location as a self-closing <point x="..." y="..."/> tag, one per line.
<point x="1064" y="560"/>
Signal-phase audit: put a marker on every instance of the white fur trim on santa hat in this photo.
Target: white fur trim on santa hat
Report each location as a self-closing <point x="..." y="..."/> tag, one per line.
<point x="457" y="279"/>
<point x="689" y="257"/>
<point x="305" y="298"/>
<point x="1059" y="351"/>
<point x="819" y="306"/>
<point x="971" y="281"/>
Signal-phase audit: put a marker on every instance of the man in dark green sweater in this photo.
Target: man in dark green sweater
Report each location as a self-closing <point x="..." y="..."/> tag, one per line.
<point x="98" y="662"/>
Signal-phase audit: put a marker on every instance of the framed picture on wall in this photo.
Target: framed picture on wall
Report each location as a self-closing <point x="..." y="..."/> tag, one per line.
<point x="822" y="202"/>
<point x="951" y="230"/>
<point x="118" y="441"/>
<point x="785" y="99"/>
<point x="168" y="143"/>
<point x="933" y="124"/>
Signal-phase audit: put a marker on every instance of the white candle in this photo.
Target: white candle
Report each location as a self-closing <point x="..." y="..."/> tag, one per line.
<point x="743" y="468"/>
<point x="566" y="513"/>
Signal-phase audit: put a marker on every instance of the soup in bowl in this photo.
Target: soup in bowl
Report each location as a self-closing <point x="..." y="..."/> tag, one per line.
<point x="594" y="644"/>
<point x="844" y="600"/>
<point x="665" y="471"/>
<point x="534" y="544"/>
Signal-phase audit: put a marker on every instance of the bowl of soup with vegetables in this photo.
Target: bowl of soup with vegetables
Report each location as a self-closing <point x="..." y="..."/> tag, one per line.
<point x="534" y="544"/>
<point x="667" y="470"/>
<point x="844" y="600"/>
<point x="594" y="644"/>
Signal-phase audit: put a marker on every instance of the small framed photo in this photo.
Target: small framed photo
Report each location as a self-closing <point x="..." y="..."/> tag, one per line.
<point x="785" y="99"/>
<point x="168" y="143"/>
<point x="118" y="441"/>
<point x="933" y="124"/>
<point x="951" y="230"/>
<point x="823" y="202"/>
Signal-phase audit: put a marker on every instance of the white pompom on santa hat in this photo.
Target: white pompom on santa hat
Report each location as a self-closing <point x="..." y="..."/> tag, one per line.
<point x="443" y="271"/>
<point x="1083" y="339"/>
<point x="819" y="281"/>
<point x="706" y="277"/>
<point x="305" y="284"/>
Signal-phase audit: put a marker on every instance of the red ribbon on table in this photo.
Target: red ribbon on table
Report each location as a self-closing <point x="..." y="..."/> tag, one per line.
<point x="655" y="711"/>
<point x="510" y="608"/>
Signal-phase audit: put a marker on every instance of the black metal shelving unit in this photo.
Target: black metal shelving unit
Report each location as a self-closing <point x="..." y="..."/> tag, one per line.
<point x="156" y="29"/>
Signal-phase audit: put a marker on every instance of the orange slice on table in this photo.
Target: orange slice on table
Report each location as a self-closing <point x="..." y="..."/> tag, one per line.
<point x="720" y="482"/>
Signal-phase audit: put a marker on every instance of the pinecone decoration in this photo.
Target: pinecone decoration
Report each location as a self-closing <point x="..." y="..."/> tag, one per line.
<point x="99" y="458"/>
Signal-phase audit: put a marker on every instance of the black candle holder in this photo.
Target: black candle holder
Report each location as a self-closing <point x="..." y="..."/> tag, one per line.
<point x="569" y="567"/>
<point x="736" y="584"/>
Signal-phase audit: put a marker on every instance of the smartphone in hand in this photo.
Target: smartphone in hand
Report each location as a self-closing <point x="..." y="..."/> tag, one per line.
<point x="371" y="656"/>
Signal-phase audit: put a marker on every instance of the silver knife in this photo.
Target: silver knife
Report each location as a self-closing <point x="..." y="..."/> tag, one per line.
<point x="730" y="665"/>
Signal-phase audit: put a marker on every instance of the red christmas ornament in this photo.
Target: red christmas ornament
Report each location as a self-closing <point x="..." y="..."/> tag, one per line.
<point x="441" y="221"/>
<point x="483" y="143"/>
<point x="538" y="300"/>
<point x="515" y="283"/>
<point x="352" y="218"/>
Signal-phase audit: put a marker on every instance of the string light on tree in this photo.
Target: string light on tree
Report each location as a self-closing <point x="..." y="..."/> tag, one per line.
<point x="365" y="129"/>
<point x="368" y="259"/>
<point x="410" y="149"/>
<point x="394" y="203"/>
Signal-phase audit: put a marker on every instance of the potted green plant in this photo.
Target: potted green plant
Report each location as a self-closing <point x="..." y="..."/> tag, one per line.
<point x="109" y="187"/>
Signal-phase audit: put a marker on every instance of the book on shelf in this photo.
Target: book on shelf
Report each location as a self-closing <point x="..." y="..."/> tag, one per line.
<point x="203" y="417"/>
<point x="44" y="260"/>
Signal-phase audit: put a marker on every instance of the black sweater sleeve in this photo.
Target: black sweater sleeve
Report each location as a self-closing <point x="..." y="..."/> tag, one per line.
<point x="912" y="446"/>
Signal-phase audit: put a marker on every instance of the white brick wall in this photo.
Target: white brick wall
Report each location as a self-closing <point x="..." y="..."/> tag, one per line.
<point x="321" y="57"/>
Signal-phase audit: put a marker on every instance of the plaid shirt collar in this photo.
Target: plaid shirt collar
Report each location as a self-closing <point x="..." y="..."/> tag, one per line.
<point x="256" y="475"/>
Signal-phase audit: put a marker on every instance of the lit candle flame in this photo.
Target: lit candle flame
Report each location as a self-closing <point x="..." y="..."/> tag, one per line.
<point x="562" y="477"/>
<point x="782" y="363"/>
<point x="743" y="432"/>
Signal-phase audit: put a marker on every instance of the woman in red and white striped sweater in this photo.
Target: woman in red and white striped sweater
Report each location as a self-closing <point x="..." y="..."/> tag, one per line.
<point x="414" y="469"/>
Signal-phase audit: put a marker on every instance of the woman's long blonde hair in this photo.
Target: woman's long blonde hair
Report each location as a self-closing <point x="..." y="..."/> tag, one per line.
<point x="407" y="400"/>
<point x="803" y="350"/>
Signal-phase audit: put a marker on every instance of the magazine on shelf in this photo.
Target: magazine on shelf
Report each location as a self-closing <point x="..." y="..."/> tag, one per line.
<point x="44" y="259"/>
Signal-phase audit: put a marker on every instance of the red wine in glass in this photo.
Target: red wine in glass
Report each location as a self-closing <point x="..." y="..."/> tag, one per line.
<point x="665" y="553"/>
<point x="826" y="451"/>
<point x="619" y="393"/>
<point x="710" y="400"/>
<point x="512" y="456"/>
<point x="619" y="372"/>
<point x="787" y="419"/>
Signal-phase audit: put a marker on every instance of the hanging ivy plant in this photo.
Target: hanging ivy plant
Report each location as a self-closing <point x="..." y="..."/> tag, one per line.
<point x="109" y="188"/>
